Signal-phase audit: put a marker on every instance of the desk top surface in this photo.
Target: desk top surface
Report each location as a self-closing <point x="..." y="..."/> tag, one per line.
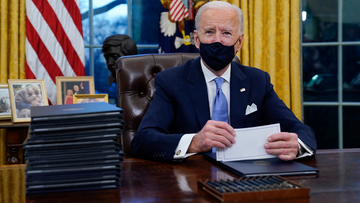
<point x="152" y="181"/>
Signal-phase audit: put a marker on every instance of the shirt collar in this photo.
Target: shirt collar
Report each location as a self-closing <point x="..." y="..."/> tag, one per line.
<point x="210" y="76"/>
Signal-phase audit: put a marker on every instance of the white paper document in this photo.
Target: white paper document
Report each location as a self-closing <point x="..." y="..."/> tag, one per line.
<point x="249" y="144"/>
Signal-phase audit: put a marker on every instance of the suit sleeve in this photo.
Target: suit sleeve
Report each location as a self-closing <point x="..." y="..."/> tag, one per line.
<point x="275" y="111"/>
<point x="153" y="139"/>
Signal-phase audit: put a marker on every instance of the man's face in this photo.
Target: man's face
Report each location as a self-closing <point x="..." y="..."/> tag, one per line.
<point x="219" y="25"/>
<point x="76" y="88"/>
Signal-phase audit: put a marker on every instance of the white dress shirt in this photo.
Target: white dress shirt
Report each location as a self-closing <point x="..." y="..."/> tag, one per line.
<point x="184" y="143"/>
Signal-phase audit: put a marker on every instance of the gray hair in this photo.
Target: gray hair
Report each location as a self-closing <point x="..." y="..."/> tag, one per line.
<point x="220" y="5"/>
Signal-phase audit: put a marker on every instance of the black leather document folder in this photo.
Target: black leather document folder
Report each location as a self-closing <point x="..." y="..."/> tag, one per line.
<point x="66" y="188"/>
<point x="71" y="169"/>
<point x="80" y="126"/>
<point x="55" y="113"/>
<point x="68" y="177"/>
<point x="72" y="133"/>
<point x="57" y="154"/>
<point x="71" y="145"/>
<point x="263" y="167"/>
<point x="76" y="138"/>
<point x="79" y="122"/>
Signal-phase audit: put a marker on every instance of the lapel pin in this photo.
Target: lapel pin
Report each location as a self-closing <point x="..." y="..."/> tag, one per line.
<point x="242" y="90"/>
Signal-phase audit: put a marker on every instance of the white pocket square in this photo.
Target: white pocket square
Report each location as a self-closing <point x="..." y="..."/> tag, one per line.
<point x="250" y="109"/>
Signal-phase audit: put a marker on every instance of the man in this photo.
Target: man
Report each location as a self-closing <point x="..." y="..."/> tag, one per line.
<point x="177" y="123"/>
<point x="114" y="47"/>
<point x="78" y="90"/>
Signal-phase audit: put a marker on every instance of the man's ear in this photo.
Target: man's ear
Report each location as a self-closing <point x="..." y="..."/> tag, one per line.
<point x="196" y="39"/>
<point x="240" y="43"/>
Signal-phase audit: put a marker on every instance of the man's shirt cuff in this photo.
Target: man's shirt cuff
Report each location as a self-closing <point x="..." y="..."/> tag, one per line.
<point x="308" y="150"/>
<point x="183" y="146"/>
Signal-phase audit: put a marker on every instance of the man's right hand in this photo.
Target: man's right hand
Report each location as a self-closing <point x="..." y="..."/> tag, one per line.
<point x="213" y="134"/>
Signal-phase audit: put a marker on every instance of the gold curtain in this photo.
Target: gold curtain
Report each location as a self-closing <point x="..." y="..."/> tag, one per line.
<point x="12" y="49"/>
<point x="12" y="183"/>
<point x="272" y="43"/>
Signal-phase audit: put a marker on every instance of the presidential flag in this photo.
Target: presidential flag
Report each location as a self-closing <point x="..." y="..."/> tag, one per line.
<point x="176" y="26"/>
<point x="54" y="42"/>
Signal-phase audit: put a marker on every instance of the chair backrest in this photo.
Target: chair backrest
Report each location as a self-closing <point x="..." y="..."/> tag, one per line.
<point x="135" y="76"/>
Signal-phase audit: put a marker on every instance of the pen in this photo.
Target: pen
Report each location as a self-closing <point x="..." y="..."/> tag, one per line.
<point x="247" y="186"/>
<point x="229" y="186"/>
<point x="281" y="182"/>
<point x="222" y="186"/>
<point x="215" y="187"/>
<point x="270" y="184"/>
<point x="262" y="183"/>
<point x="255" y="184"/>
<point x="236" y="185"/>
<point x="286" y="183"/>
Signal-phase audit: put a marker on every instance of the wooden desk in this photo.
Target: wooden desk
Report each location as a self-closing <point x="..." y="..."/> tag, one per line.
<point x="151" y="181"/>
<point x="15" y="136"/>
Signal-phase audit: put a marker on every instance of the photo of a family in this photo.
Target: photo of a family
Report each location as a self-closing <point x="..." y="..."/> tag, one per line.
<point x="72" y="88"/>
<point x="69" y="86"/>
<point x="26" y="94"/>
<point x="5" y="110"/>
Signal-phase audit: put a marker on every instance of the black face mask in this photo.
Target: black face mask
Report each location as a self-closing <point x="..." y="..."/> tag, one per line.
<point x="216" y="55"/>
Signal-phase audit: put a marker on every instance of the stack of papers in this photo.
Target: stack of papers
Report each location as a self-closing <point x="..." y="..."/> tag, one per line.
<point x="73" y="147"/>
<point x="249" y="144"/>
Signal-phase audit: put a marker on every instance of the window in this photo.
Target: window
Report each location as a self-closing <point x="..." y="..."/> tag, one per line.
<point x="102" y="18"/>
<point x="331" y="71"/>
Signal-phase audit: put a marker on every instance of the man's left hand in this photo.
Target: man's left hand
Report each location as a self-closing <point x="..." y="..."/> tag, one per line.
<point x="284" y="145"/>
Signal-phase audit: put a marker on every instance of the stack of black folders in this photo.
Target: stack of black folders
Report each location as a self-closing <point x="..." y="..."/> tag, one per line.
<point x="73" y="147"/>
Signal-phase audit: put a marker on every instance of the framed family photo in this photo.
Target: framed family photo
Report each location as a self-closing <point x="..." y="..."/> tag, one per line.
<point x="5" y="110"/>
<point x="89" y="98"/>
<point x="23" y="95"/>
<point x="66" y="87"/>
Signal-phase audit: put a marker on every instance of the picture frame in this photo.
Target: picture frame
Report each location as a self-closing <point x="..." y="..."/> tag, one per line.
<point x="25" y="93"/>
<point x="66" y="88"/>
<point x="88" y="98"/>
<point x="5" y="105"/>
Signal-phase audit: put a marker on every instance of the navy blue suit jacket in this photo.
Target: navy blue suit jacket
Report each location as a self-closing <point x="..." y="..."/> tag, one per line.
<point x="181" y="105"/>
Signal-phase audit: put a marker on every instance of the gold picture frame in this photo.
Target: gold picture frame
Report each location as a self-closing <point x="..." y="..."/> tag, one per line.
<point x="66" y="88"/>
<point x="88" y="98"/>
<point x="23" y="95"/>
<point x="5" y="105"/>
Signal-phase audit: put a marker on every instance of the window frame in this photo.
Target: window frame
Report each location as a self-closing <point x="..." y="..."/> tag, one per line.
<point x="339" y="44"/>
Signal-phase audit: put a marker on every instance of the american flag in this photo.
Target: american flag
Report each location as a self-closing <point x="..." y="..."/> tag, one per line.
<point x="178" y="11"/>
<point x="54" y="42"/>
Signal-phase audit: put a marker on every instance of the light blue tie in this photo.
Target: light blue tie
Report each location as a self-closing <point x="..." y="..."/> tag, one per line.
<point x="220" y="110"/>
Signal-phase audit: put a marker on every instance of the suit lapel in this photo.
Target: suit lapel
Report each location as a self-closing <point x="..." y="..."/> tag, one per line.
<point x="198" y="91"/>
<point x="239" y="92"/>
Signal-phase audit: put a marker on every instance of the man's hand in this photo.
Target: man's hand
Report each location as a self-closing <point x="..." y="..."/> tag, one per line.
<point x="284" y="145"/>
<point x="213" y="134"/>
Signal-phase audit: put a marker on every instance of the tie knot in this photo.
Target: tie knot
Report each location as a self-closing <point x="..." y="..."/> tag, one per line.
<point x="219" y="81"/>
